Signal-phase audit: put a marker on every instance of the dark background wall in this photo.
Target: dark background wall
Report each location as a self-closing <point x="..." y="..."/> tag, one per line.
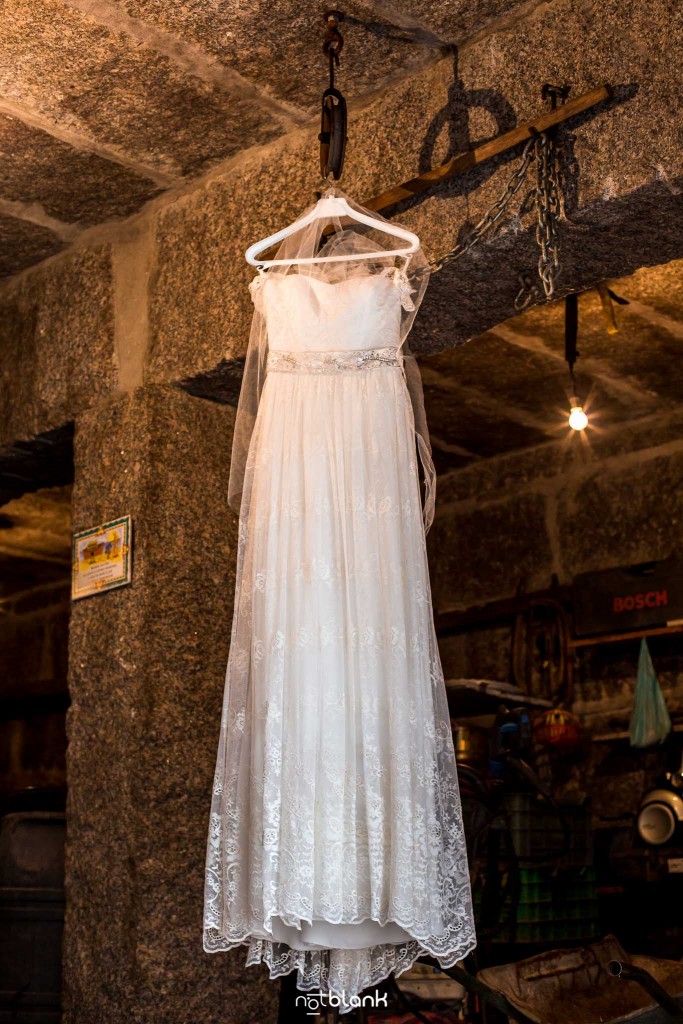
<point x="35" y="570"/>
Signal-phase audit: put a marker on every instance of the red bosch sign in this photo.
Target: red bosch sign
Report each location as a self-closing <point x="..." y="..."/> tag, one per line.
<point x="629" y="598"/>
<point x="637" y="602"/>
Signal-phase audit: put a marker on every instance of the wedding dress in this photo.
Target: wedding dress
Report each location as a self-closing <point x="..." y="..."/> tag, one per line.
<point x="336" y="845"/>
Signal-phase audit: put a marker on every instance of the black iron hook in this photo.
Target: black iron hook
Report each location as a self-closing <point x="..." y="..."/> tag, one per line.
<point x="333" y="122"/>
<point x="334" y="41"/>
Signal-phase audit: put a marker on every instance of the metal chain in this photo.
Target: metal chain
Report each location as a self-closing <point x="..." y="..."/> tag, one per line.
<point x="548" y="209"/>
<point x="548" y="204"/>
<point x="492" y="216"/>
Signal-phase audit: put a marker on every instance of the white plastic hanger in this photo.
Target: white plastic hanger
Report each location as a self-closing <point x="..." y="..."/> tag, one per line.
<point x="333" y="206"/>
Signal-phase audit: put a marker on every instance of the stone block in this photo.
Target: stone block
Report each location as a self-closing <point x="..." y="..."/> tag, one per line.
<point x="147" y="668"/>
<point x="458" y="420"/>
<point x="68" y="184"/>
<point x="23" y="243"/>
<point x="21" y="656"/>
<point x="100" y="83"/>
<point x="278" y="47"/>
<point x="455" y="22"/>
<point x="552" y="466"/>
<point x="482" y="653"/>
<point x="582" y="45"/>
<point x="634" y="361"/>
<point x="626" y="513"/>
<point x="57" y="351"/>
<point x="481" y="554"/>
<point x="660" y="288"/>
<point x="510" y="473"/>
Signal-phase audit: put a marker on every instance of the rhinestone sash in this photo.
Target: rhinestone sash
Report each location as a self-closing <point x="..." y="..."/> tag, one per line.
<point x="332" y="362"/>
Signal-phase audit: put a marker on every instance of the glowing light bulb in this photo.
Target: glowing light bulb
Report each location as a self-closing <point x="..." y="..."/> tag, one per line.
<point x="577" y="417"/>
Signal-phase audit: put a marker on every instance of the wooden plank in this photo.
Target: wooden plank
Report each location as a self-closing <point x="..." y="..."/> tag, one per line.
<point x="610" y="737"/>
<point x="614" y="638"/>
<point x="482" y="616"/>
<point x="465" y="161"/>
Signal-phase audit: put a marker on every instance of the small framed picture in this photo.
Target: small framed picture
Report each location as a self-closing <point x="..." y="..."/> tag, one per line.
<point x="101" y="558"/>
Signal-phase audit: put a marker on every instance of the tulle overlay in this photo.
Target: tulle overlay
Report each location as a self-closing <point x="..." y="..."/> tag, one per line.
<point x="336" y="845"/>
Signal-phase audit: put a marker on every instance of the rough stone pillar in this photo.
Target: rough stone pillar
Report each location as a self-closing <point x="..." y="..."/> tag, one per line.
<point x="146" y="674"/>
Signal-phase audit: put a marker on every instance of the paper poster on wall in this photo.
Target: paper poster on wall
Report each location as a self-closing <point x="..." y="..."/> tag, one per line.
<point x="101" y="558"/>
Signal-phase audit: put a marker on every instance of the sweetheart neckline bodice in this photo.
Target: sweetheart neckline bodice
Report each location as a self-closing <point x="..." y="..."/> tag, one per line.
<point x="390" y="275"/>
<point x="340" y="316"/>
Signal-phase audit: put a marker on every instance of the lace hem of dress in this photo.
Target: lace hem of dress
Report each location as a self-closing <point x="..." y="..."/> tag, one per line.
<point x="343" y="972"/>
<point x="332" y="362"/>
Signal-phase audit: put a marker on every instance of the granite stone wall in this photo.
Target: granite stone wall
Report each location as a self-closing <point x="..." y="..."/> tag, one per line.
<point x="147" y="667"/>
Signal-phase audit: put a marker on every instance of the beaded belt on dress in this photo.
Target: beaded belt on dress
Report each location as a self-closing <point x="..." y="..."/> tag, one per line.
<point x="330" y="362"/>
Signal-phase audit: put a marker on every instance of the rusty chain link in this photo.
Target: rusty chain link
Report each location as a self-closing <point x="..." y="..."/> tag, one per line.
<point x="492" y="216"/>
<point x="548" y="206"/>
<point x="548" y="210"/>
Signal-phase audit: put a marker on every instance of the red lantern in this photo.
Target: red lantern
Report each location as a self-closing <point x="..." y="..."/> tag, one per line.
<point x="557" y="728"/>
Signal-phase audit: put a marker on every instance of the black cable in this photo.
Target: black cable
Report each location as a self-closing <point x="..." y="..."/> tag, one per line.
<point x="571" y="331"/>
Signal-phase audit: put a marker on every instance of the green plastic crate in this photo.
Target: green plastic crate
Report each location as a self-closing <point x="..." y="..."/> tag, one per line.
<point x="537" y="831"/>
<point x="553" y="907"/>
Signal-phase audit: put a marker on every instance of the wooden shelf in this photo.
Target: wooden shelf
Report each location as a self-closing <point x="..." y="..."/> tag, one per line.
<point x="636" y="634"/>
<point x="476" y="695"/>
<point x="610" y="737"/>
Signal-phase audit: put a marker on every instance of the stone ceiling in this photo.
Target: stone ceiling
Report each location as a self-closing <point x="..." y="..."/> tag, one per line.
<point x="105" y="103"/>
<point x="35" y="541"/>
<point x="509" y="388"/>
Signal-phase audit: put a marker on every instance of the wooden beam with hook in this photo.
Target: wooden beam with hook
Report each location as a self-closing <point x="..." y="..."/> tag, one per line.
<point x="466" y="161"/>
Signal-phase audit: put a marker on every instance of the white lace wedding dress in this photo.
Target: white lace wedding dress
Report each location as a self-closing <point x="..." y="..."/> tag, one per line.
<point x="336" y="845"/>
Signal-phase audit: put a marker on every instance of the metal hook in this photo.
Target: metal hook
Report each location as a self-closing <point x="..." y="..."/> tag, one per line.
<point x="554" y="92"/>
<point x="333" y="117"/>
<point x="333" y="41"/>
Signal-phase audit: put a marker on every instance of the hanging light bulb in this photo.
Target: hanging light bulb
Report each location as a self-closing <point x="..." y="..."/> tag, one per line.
<point x="577" y="416"/>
